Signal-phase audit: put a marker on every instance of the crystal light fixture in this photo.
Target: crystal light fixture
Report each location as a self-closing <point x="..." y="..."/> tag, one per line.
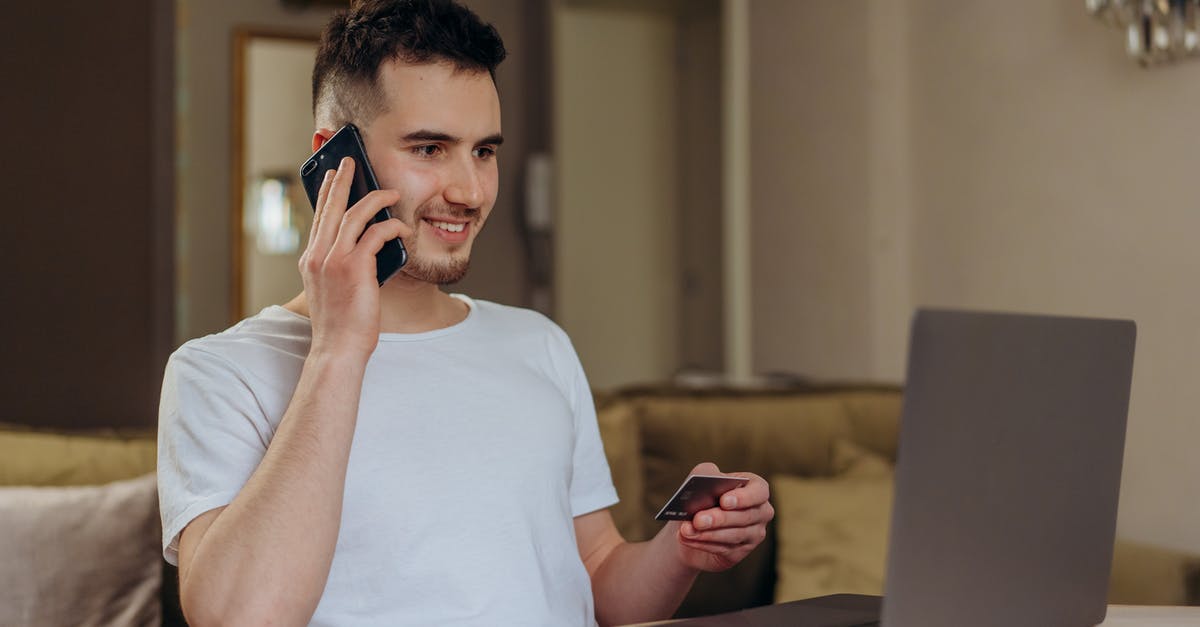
<point x="1156" y="31"/>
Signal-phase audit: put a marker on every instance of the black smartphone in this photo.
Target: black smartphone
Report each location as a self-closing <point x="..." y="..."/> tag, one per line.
<point x="347" y="142"/>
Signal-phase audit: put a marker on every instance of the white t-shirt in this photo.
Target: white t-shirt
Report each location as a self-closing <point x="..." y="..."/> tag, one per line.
<point x="475" y="447"/>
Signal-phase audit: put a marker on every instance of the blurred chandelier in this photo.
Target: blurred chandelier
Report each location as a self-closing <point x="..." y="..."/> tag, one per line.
<point x="1156" y="31"/>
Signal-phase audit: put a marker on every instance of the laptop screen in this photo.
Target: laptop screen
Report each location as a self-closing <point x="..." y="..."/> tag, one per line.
<point x="1008" y="470"/>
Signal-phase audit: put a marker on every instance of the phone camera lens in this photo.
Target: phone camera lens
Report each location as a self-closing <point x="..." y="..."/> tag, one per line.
<point x="309" y="167"/>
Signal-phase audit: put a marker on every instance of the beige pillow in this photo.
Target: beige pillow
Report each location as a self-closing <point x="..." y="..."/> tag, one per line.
<point x="832" y="532"/>
<point x="80" y="555"/>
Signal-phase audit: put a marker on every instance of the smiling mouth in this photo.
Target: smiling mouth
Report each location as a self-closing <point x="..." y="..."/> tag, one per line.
<point x="452" y="227"/>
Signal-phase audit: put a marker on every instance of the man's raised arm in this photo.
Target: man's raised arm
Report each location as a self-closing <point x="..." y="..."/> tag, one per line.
<point x="264" y="558"/>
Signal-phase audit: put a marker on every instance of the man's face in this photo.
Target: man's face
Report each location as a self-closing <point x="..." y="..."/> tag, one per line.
<point x="437" y="145"/>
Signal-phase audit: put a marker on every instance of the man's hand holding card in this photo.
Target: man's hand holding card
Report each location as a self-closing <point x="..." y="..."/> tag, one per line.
<point x="728" y="517"/>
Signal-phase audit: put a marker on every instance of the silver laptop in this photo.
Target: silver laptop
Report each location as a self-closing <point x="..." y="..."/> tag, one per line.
<point x="1008" y="470"/>
<point x="1007" y="477"/>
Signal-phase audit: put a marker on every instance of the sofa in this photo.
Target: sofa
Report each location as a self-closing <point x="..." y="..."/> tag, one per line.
<point x="79" y="531"/>
<point x="80" y="540"/>
<point x="828" y="451"/>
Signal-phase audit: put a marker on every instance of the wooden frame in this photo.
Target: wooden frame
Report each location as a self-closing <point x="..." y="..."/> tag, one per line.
<point x="237" y="180"/>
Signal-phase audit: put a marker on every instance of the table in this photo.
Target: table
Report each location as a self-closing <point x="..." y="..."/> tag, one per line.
<point x="1118" y="616"/>
<point x="1151" y="616"/>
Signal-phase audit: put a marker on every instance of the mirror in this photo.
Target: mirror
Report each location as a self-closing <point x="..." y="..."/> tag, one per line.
<point x="272" y="129"/>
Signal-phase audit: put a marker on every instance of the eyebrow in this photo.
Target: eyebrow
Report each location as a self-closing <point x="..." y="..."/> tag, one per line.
<point x="437" y="136"/>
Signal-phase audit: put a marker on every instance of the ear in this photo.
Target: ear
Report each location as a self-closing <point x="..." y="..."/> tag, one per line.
<point x="320" y="136"/>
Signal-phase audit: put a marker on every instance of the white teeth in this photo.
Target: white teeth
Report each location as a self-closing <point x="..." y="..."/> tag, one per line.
<point x="446" y="226"/>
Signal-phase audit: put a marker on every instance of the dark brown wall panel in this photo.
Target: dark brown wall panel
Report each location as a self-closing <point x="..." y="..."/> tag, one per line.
<point x="86" y="247"/>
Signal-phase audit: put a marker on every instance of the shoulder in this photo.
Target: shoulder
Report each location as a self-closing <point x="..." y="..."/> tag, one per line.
<point x="509" y="319"/>
<point x="528" y="328"/>
<point x="272" y="334"/>
<point x="529" y="337"/>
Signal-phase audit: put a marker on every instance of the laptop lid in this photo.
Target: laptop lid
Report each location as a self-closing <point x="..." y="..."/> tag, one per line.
<point x="1008" y="470"/>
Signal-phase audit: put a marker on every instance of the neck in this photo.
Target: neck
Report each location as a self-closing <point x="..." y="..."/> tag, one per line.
<point x="406" y="305"/>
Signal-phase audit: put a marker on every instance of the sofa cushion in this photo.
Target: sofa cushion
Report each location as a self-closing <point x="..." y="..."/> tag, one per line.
<point x="38" y="458"/>
<point x="832" y="532"/>
<point x="761" y="434"/>
<point x="874" y="419"/>
<point x="81" y="555"/>
<point x="766" y="432"/>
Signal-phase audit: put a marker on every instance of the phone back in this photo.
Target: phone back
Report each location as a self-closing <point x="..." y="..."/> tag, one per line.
<point x="347" y="142"/>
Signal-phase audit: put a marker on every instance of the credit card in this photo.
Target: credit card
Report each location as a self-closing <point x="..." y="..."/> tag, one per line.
<point x="698" y="493"/>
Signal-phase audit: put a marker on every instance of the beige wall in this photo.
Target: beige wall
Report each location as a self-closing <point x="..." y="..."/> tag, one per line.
<point x="614" y="128"/>
<point x="980" y="155"/>
<point x="278" y="132"/>
<point x="809" y="146"/>
<point x="1052" y="174"/>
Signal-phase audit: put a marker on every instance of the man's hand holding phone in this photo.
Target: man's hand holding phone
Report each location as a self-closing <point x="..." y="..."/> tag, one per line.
<point x="338" y="267"/>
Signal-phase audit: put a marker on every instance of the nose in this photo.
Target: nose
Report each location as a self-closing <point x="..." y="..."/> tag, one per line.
<point x="464" y="186"/>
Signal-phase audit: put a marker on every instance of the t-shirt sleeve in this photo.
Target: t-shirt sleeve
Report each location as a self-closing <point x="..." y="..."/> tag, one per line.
<point x="591" y="480"/>
<point x="210" y="439"/>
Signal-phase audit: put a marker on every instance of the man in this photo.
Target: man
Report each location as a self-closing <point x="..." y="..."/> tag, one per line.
<point x="396" y="455"/>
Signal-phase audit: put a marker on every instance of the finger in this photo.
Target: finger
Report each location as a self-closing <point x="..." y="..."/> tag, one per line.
<point x="379" y="234"/>
<point x="706" y="468"/>
<point x="335" y="205"/>
<point x="747" y="535"/>
<point x="717" y="518"/>
<point x="355" y="220"/>
<point x="716" y="548"/>
<point x="753" y="494"/>
<point x="322" y="194"/>
<point x="732" y="536"/>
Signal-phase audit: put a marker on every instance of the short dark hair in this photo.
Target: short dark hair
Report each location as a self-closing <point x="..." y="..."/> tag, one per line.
<point x="357" y="41"/>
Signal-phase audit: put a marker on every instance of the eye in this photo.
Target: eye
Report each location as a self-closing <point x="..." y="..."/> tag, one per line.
<point x="427" y="150"/>
<point x="485" y="152"/>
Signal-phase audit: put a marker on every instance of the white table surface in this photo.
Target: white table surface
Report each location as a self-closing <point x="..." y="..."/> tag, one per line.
<point x="1151" y="616"/>
<point x="1118" y="616"/>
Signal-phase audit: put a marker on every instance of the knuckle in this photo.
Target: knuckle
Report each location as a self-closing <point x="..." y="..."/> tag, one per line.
<point x="351" y="220"/>
<point x="370" y="243"/>
<point x="309" y="264"/>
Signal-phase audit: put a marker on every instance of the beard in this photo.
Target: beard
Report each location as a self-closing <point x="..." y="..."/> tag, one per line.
<point x="446" y="271"/>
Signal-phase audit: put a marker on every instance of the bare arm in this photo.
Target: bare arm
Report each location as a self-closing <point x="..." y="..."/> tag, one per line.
<point x="644" y="581"/>
<point x="632" y="582"/>
<point x="264" y="558"/>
